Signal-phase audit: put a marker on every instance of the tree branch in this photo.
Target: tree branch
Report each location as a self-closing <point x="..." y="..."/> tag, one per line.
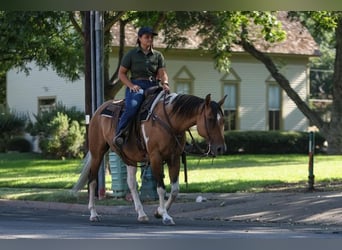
<point x="75" y="24"/>
<point x="283" y="82"/>
<point x="113" y="20"/>
<point x="161" y="18"/>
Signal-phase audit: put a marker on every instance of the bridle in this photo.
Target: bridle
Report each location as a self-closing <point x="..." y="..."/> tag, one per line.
<point x="168" y="126"/>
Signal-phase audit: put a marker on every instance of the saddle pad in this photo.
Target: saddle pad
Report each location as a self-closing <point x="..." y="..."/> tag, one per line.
<point x="113" y="109"/>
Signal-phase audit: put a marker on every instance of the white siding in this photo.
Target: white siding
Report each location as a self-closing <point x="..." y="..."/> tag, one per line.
<point x="252" y="95"/>
<point x="293" y="117"/>
<point x="24" y="90"/>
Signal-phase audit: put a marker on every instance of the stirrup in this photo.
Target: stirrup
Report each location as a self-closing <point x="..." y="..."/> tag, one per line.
<point x="118" y="140"/>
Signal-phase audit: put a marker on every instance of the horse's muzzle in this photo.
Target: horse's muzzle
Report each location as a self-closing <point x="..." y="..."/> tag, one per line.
<point x="218" y="149"/>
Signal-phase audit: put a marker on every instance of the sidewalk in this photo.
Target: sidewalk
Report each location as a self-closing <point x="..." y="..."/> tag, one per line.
<point x="323" y="208"/>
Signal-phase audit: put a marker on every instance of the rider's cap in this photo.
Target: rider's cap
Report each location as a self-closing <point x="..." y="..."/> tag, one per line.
<point x="146" y="30"/>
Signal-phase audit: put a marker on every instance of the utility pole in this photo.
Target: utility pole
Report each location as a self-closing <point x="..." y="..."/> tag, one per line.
<point x="87" y="74"/>
<point x="94" y="77"/>
<point x="99" y="86"/>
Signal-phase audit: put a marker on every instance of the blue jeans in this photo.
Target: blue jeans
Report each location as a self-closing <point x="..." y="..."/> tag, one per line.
<point x="133" y="101"/>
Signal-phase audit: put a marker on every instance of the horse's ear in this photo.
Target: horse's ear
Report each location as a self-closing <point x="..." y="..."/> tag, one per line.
<point x="222" y="100"/>
<point x="208" y="99"/>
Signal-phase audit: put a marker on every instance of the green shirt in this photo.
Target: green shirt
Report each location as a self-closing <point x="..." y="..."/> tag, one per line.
<point x="143" y="65"/>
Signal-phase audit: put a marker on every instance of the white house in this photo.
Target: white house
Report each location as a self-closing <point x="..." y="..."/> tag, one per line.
<point x="255" y="101"/>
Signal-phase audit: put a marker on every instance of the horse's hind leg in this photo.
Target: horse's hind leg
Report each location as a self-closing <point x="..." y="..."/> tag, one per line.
<point x="162" y="212"/>
<point x="91" y="205"/>
<point x="132" y="184"/>
<point x="95" y="163"/>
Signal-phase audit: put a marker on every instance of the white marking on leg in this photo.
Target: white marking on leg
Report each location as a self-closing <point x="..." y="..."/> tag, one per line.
<point x="167" y="219"/>
<point x="146" y="138"/>
<point x="91" y="206"/>
<point x="173" y="194"/>
<point x="132" y="184"/>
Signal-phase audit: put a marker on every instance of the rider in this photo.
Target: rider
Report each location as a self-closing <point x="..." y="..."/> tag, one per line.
<point x="147" y="68"/>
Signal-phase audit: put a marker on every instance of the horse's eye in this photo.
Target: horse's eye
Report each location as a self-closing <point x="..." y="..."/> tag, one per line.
<point x="212" y="121"/>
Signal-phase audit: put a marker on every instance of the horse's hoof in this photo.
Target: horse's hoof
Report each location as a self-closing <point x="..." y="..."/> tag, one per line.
<point x="95" y="219"/>
<point x="168" y="222"/>
<point x="157" y="215"/>
<point x="143" y="219"/>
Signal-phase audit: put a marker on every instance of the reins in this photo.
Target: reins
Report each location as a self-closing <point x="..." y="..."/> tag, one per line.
<point x="168" y="126"/>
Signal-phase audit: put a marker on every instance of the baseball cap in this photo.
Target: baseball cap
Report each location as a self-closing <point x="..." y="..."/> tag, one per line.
<point x="146" y="30"/>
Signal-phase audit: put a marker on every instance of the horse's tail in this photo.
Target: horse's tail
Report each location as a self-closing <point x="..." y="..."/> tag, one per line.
<point x="82" y="180"/>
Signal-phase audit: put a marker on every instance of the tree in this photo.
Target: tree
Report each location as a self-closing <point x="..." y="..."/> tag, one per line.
<point x="40" y="34"/>
<point x="332" y="130"/>
<point x="48" y="38"/>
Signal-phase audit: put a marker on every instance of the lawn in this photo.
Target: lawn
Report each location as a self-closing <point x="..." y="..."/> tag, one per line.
<point x="29" y="176"/>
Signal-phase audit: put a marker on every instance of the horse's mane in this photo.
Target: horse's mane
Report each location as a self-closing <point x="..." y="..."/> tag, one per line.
<point x="186" y="105"/>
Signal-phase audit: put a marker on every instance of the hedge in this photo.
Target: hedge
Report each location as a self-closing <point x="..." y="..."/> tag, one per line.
<point x="267" y="142"/>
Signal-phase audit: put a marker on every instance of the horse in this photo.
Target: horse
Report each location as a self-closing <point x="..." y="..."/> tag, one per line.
<point x="160" y="139"/>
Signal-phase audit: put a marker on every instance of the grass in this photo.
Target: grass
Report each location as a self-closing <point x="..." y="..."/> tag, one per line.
<point x="30" y="177"/>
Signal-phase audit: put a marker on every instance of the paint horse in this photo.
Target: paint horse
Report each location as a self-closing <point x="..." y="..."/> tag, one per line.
<point x="159" y="139"/>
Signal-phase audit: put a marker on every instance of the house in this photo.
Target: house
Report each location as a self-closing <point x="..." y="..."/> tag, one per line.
<point x="255" y="100"/>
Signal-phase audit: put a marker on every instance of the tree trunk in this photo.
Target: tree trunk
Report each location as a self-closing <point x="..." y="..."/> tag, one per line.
<point x="113" y="84"/>
<point x="334" y="131"/>
<point x="331" y="131"/>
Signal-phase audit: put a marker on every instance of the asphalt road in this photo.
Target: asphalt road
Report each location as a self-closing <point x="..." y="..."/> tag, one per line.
<point x="45" y="223"/>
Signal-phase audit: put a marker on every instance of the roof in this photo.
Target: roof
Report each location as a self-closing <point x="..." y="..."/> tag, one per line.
<point x="298" y="39"/>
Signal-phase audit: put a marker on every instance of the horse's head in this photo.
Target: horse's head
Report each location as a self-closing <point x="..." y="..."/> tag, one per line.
<point x="210" y="125"/>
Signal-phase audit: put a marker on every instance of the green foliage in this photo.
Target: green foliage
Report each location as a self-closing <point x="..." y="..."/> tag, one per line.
<point x="269" y="142"/>
<point x="46" y="37"/>
<point x="321" y="25"/>
<point x="39" y="124"/>
<point x="19" y="144"/>
<point x="61" y="132"/>
<point x="11" y="124"/>
<point x="63" y="138"/>
<point x="29" y="176"/>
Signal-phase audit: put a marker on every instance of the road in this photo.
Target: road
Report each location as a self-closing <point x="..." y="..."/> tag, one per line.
<point x="43" y="223"/>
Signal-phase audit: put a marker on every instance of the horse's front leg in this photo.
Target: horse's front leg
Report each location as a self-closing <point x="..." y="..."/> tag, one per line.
<point x="173" y="194"/>
<point x="91" y="206"/>
<point x="162" y="209"/>
<point x="132" y="184"/>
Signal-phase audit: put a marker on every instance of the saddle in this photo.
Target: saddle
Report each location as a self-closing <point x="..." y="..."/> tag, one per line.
<point x="115" y="109"/>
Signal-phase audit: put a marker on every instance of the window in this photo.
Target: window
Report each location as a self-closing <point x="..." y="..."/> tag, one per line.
<point x="230" y="106"/>
<point x="231" y="83"/>
<point x="274" y="107"/>
<point x="184" y="81"/>
<point x="183" y="87"/>
<point x="46" y="104"/>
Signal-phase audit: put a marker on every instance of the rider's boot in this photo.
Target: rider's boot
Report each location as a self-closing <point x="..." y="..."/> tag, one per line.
<point x="119" y="139"/>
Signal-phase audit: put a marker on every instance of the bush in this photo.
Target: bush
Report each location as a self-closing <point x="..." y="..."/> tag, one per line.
<point x="39" y="125"/>
<point x="19" y="144"/>
<point x="11" y="124"/>
<point x="63" y="139"/>
<point x="61" y="132"/>
<point x="269" y="142"/>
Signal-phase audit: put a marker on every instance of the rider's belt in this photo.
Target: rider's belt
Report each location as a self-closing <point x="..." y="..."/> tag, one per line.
<point x="151" y="79"/>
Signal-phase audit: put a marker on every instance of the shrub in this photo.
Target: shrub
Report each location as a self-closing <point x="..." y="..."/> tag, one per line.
<point x="61" y="132"/>
<point x="19" y="144"/>
<point x="62" y="138"/>
<point x="11" y="124"/>
<point x="39" y="125"/>
<point x="269" y="142"/>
